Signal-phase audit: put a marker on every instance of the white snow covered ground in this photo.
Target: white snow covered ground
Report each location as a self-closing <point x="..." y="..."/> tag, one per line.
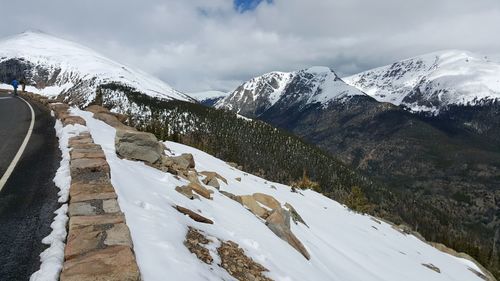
<point x="344" y="245"/>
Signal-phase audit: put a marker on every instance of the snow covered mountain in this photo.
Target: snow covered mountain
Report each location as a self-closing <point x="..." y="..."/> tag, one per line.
<point x="208" y="98"/>
<point x="53" y="66"/>
<point x="315" y="85"/>
<point x="433" y="81"/>
<point x="343" y="244"/>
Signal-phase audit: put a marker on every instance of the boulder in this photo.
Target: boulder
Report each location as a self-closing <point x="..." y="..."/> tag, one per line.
<point x="110" y="119"/>
<point x="187" y="191"/>
<point x="115" y="263"/>
<point x="279" y="223"/>
<point x="178" y="164"/>
<point x="251" y="204"/>
<point x="96" y="109"/>
<point x="198" y="188"/>
<point x="138" y="146"/>
<point x="73" y="120"/>
<point x="267" y="200"/>
<point x="211" y="175"/>
<point x="295" y="215"/>
<point x="193" y="215"/>
<point x="238" y="179"/>
<point x="230" y="195"/>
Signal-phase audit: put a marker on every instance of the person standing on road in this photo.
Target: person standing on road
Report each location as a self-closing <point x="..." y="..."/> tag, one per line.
<point x="23" y="84"/>
<point x="15" y="84"/>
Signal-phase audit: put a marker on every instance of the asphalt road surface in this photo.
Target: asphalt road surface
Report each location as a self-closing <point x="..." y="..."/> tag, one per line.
<point x="29" y="197"/>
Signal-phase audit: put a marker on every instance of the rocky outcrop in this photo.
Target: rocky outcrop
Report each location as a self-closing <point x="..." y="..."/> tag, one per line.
<point x="295" y="215"/>
<point x="187" y="190"/>
<point x="195" y="242"/>
<point x="239" y="265"/>
<point x="276" y="218"/>
<point x="115" y="120"/>
<point x="279" y="223"/>
<point x="136" y="145"/>
<point x="212" y="179"/>
<point x="193" y="215"/>
<point x="232" y="257"/>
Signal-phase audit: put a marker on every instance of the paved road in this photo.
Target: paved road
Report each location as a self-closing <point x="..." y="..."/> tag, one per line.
<point x="29" y="198"/>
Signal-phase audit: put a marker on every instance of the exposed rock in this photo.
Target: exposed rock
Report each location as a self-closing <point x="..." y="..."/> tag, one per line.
<point x="250" y="202"/>
<point x="187" y="191"/>
<point x="82" y="240"/>
<point x="84" y="221"/>
<point x="230" y="195"/>
<point x="115" y="263"/>
<point x="138" y="146"/>
<point x="112" y="120"/>
<point x="118" y="234"/>
<point x="238" y="179"/>
<point x="279" y="223"/>
<point x="194" y="241"/>
<point x="82" y="209"/>
<point x="195" y="216"/>
<point x="178" y="164"/>
<point x="238" y="265"/>
<point x="80" y="139"/>
<point x="97" y="109"/>
<point x="192" y="176"/>
<point x="432" y="267"/>
<point x="201" y="190"/>
<point x="59" y="108"/>
<point x="77" y="153"/>
<point x="79" y="192"/>
<point x="73" y="120"/>
<point x="295" y="215"/>
<point x="110" y="206"/>
<point x="213" y="183"/>
<point x="267" y="200"/>
<point x="210" y="175"/>
<point x="89" y="170"/>
<point x="443" y="248"/>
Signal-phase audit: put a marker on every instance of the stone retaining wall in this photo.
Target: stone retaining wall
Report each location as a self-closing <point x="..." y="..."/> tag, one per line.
<point x="98" y="245"/>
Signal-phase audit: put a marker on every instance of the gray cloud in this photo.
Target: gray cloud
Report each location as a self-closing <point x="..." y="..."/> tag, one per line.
<point x="199" y="45"/>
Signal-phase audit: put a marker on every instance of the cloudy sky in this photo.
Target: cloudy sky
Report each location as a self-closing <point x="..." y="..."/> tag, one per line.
<point x="197" y="45"/>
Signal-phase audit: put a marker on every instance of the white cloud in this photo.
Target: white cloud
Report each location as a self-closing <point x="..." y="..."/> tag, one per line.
<point x="199" y="45"/>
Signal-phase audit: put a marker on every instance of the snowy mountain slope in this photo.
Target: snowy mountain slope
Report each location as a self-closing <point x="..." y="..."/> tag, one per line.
<point x="343" y="245"/>
<point x="208" y="98"/>
<point x="308" y="86"/>
<point x="432" y="81"/>
<point x="56" y="66"/>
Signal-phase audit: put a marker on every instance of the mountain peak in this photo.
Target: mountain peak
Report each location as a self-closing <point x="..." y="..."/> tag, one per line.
<point x="318" y="69"/>
<point x="433" y="81"/>
<point x="63" y="65"/>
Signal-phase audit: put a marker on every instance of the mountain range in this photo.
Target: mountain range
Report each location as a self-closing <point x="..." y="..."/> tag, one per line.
<point x="427" y="127"/>
<point x="420" y="138"/>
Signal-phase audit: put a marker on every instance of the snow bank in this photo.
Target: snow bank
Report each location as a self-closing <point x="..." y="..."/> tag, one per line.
<point x="344" y="245"/>
<point x="53" y="257"/>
